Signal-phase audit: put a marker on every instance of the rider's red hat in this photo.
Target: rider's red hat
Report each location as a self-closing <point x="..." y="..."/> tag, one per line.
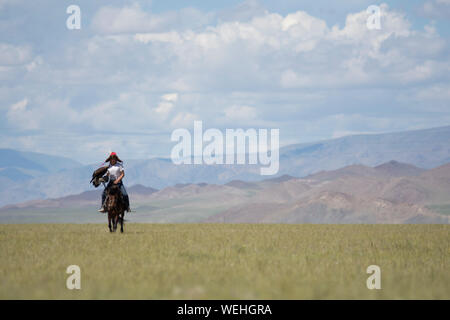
<point x="113" y="155"/>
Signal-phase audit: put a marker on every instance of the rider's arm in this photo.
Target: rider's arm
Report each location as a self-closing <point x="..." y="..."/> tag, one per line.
<point x="120" y="178"/>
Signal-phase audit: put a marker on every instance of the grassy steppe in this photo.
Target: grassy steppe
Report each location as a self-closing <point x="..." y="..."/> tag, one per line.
<point x="223" y="261"/>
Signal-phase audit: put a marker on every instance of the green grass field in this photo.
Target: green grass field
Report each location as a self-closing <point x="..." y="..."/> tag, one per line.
<point x="212" y="261"/>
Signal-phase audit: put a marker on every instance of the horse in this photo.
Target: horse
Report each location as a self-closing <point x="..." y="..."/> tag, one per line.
<point x="115" y="207"/>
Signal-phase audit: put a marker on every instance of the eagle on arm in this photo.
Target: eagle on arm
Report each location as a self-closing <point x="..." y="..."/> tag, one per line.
<point x="97" y="175"/>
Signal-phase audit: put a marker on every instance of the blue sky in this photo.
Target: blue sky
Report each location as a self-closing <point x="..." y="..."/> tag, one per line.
<point x="139" y="69"/>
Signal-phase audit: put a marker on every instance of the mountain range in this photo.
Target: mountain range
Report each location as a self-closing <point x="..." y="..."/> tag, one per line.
<point x="392" y="192"/>
<point x="27" y="176"/>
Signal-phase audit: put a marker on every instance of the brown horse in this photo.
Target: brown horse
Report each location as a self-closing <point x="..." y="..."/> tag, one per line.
<point x="115" y="207"/>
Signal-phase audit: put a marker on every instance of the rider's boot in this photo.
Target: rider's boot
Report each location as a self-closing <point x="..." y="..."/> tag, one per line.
<point x="127" y="203"/>
<point x="102" y="208"/>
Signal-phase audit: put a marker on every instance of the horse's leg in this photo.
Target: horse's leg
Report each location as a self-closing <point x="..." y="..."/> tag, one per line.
<point x="109" y="222"/>
<point x="121" y="222"/>
<point x="116" y="218"/>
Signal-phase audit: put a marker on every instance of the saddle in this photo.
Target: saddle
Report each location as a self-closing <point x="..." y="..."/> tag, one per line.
<point x="115" y="190"/>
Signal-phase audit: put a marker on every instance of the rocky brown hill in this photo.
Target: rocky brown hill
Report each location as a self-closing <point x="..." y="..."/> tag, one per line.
<point x="393" y="192"/>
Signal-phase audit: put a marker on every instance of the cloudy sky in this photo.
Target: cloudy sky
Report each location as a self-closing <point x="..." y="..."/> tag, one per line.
<point x="137" y="70"/>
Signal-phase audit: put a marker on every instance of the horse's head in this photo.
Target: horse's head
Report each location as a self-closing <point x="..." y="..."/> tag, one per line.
<point x="114" y="197"/>
<point x="114" y="189"/>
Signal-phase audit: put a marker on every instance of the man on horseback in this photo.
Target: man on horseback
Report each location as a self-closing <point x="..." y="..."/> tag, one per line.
<point x="114" y="175"/>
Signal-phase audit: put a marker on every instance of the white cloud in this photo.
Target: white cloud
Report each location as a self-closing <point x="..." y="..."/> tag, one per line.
<point x="431" y="98"/>
<point x="183" y="120"/>
<point x="436" y="9"/>
<point x="22" y="117"/>
<point x="42" y="115"/>
<point x="242" y="12"/>
<point x="172" y="37"/>
<point x="339" y="56"/>
<point x="240" y="113"/>
<point x="127" y="19"/>
<point x="134" y="70"/>
<point x="439" y="92"/>
<point x="19" y="106"/>
<point x="268" y="50"/>
<point x="11" y="55"/>
<point x="167" y="104"/>
<point x="170" y="97"/>
<point x="36" y="62"/>
<point x="132" y="19"/>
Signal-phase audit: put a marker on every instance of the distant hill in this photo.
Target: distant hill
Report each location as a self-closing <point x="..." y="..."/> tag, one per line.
<point x="19" y="166"/>
<point x="284" y="177"/>
<point x="84" y="199"/>
<point x="11" y="174"/>
<point x="15" y="159"/>
<point x="241" y="184"/>
<point x="397" y="169"/>
<point x="388" y="169"/>
<point x="36" y="176"/>
<point x="389" y="193"/>
<point x="353" y="194"/>
<point x="426" y="148"/>
<point x="35" y="161"/>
